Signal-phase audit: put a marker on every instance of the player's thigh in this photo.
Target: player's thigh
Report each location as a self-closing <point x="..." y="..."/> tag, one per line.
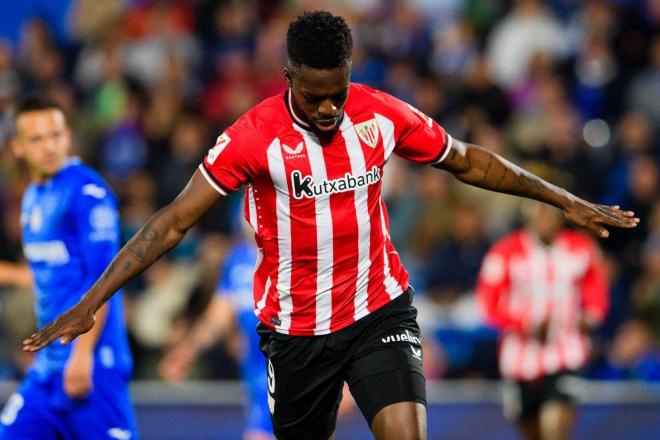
<point x="400" y="421"/>
<point x="107" y="412"/>
<point x="27" y="416"/>
<point x="304" y="386"/>
<point x="521" y="402"/>
<point x="388" y="367"/>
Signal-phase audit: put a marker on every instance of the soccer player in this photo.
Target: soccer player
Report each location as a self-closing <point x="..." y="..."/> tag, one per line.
<point x="543" y="287"/>
<point x="70" y="230"/>
<point x="330" y="292"/>
<point x="230" y="316"/>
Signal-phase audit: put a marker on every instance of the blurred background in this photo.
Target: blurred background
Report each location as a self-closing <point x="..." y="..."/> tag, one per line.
<point x="569" y="89"/>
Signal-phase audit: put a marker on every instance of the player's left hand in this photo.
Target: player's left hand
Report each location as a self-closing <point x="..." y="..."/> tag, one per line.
<point x="74" y="322"/>
<point x="592" y="217"/>
<point x="78" y="375"/>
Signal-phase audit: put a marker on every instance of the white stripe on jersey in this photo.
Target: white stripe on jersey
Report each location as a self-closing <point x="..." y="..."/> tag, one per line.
<point x="324" y="236"/>
<point x="262" y="302"/>
<point x="387" y="131"/>
<point x="278" y="174"/>
<point x="510" y="349"/>
<point x="252" y="209"/>
<point x="359" y="168"/>
<point x="391" y="285"/>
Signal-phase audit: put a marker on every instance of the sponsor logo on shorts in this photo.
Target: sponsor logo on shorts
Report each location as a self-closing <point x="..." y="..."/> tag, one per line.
<point x="416" y="353"/>
<point x="402" y="337"/>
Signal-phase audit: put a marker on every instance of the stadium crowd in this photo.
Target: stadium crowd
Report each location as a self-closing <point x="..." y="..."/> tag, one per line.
<point x="569" y="89"/>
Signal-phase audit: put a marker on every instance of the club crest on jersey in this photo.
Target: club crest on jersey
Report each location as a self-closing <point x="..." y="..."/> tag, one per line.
<point x="368" y="132"/>
<point x="304" y="187"/>
<point x="294" y="152"/>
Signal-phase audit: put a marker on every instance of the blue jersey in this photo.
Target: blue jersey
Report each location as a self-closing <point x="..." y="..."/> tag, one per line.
<point x="235" y="283"/>
<point x="70" y="227"/>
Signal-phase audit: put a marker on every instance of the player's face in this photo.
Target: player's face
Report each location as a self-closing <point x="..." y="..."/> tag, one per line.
<point x="319" y="95"/>
<point x="43" y="140"/>
<point x="545" y="220"/>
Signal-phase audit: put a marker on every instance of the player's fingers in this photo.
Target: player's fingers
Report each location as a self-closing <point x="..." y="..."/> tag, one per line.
<point x="599" y="230"/>
<point x="41" y="339"/>
<point x="614" y="217"/>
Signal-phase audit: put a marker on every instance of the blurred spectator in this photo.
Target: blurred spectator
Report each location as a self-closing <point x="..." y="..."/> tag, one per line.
<point x="644" y="90"/>
<point x="527" y="29"/>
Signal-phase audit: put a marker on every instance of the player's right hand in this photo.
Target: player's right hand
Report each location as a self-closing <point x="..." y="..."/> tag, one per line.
<point x="176" y="364"/>
<point x="78" y="374"/>
<point x="74" y="322"/>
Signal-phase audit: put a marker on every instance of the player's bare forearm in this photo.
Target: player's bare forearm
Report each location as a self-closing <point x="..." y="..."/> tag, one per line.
<point x="480" y="167"/>
<point x="87" y="343"/>
<point x="163" y="231"/>
<point x="159" y="235"/>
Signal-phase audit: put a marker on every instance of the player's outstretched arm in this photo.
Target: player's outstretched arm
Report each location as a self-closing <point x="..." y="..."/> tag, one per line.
<point x="161" y="233"/>
<point x="15" y="274"/>
<point x="480" y="167"/>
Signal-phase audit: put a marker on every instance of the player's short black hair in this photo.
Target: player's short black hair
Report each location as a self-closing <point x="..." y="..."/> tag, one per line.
<point x="319" y="40"/>
<point x="33" y="103"/>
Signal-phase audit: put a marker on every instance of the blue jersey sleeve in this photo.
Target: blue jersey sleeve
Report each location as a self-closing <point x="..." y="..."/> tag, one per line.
<point x="97" y="224"/>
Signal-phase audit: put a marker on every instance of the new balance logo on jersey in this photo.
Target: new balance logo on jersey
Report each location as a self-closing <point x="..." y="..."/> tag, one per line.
<point x="405" y="337"/>
<point x="305" y="186"/>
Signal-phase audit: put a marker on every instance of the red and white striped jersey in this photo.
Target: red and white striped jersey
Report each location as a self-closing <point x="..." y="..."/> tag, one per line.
<point x="524" y="282"/>
<point x="326" y="259"/>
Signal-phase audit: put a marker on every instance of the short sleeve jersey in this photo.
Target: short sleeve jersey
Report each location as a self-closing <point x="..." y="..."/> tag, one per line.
<point x="70" y="228"/>
<point x="326" y="258"/>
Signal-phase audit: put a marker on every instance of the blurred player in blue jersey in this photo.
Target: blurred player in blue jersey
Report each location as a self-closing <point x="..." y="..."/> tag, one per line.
<point x="70" y="228"/>
<point x="230" y="316"/>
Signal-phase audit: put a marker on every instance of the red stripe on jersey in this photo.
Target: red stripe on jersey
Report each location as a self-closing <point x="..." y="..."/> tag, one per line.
<point x="303" y="248"/>
<point x="265" y="277"/>
<point x="345" y="238"/>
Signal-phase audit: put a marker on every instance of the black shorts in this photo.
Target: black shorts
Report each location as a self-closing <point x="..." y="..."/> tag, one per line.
<point x="379" y="356"/>
<point x="523" y="399"/>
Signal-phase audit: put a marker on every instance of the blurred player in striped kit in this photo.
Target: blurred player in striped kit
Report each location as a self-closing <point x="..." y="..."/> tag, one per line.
<point x="543" y="286"/>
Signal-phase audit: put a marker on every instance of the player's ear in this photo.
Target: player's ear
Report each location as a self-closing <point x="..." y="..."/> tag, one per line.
<point x="287" y="77"/>
<point x="16" y="147"/>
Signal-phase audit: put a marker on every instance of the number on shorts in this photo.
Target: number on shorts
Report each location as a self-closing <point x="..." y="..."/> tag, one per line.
<point x="271" y="378"/>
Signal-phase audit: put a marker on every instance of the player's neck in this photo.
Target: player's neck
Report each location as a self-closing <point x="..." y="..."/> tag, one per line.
<point x="294" y="113"/>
